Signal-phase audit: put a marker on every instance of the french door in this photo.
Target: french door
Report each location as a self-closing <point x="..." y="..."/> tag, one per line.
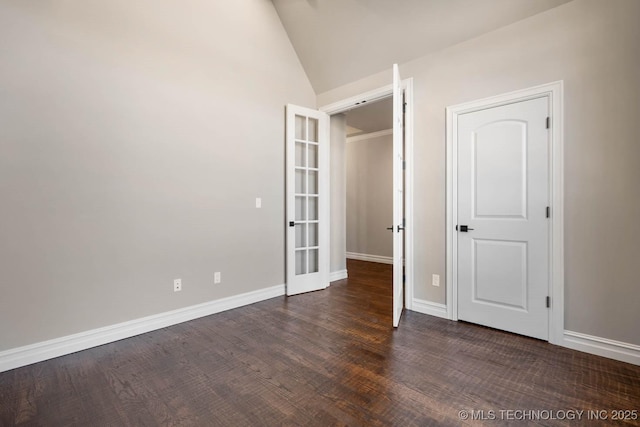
<point x="307" y="139"/>
<point x="398" y="196"/>
<point x="307" y="171"/>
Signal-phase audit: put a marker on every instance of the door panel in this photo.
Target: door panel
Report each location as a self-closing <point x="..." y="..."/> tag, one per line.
<point x="505" y="286"/>
<point x="398" y="197"/>
<point x="307" y="198"/>
<point x="503" y="192"/>
<point x="500" y="181"/>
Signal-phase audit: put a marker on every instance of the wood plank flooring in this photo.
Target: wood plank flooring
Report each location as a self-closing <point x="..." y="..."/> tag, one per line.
<point x="319" y="359"/>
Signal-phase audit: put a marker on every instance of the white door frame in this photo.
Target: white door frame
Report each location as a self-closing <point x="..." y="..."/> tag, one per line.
<point x="374" y="95"/>
<point x="554" y="93"/>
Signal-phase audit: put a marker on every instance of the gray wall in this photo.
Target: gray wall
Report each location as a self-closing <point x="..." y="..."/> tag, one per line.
<point x="593" y="46"/>
<point x="338" y="188"/>
<point x="134" y="138"/>
<point x="370" y="196"/>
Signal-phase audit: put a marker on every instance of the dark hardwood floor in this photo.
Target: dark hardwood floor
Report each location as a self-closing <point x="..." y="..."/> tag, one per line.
<point x="319" y="359"/>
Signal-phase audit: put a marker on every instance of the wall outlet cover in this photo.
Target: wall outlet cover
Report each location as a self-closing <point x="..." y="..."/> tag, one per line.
<point x="435" y="280"/>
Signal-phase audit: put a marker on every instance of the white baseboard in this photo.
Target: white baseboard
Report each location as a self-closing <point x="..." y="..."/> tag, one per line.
<point x="370" y="258"/>
<point x="430" y="308"/>
<point x="22" y="356"/>
<point x="605" y="347"/>
<point x="338" y="275"/>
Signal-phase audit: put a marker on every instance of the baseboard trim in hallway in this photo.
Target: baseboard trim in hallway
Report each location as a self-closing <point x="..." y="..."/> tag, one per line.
<point x="370" y="258"/>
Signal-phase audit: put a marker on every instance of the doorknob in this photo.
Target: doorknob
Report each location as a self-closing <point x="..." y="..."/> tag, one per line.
<point x="390" y="228"/>
<point x="464" y="228"/>
<point x="292" y="223"/>
<point x="400" y="228"/>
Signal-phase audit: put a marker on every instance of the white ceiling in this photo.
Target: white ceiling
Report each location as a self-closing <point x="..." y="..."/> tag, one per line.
<point x="371" y="117"/>
<point x="340" y="41"/>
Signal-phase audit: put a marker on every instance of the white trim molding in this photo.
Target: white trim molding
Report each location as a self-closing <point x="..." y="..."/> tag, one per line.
<point x="605" y="347"/>
<point x="430" y="308"/>
<point x="22" y="356"/>
<point x="345" y="105"/>
<point x="554" y="93"/>
<point x="370" y="135"/>
<point x="370" y="258"/>
<point x="338" y="275"/>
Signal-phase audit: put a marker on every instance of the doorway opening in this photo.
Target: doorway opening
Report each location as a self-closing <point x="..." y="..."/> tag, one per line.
<point x="369" y="182"/>
<point x="403" y="175"/>
<point x="369" y="199"/>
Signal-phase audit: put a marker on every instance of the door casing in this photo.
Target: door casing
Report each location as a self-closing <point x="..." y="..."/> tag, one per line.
<point x="554" y="92"/>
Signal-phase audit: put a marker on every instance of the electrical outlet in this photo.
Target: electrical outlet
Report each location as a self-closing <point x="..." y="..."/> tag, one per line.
<point x="177" y="285"/>
<point x="217" y="277"/>
<point x="258" y="202"/>
<point x="435" y="279"/>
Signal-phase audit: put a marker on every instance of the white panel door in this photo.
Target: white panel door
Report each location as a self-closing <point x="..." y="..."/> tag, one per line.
<point x="398" y="197"/>
<point x="502" y="226"/>
<point x="307" y="136"/>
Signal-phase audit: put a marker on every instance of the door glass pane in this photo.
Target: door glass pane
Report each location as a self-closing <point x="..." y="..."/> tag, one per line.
<point x="313" y="261"/>
<point x="313" y="130"/>
<point x="301" y="262"/>
<point x="306" y="184"/>
<point x="301" y="154"/>
<point x="313" y="234"/>
<point x="301" y="128"/>
<point x="301" y="235"/>
<point x="301" y="184"/>
<point x="301" y="208"/>
<point x="313" y="208"/>
<point x="313" y="155"/>
<point x="313" y="182"/>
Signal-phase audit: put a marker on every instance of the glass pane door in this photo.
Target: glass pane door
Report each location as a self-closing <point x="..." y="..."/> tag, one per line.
<point x="307" y="200"/>
<point x="306" y="195"/>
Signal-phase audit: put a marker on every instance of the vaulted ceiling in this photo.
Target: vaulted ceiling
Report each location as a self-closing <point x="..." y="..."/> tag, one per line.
<point x="340" y="41"/>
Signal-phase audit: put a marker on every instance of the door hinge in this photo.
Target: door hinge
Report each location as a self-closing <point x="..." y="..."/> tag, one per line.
<point x="548" y="302"/>
<point x="404" y="278"/>
<point x="404" y="165"/>
<point x="404" y="107"/>
<point x="548" y="212"/>
<point x="548" y="122"/>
